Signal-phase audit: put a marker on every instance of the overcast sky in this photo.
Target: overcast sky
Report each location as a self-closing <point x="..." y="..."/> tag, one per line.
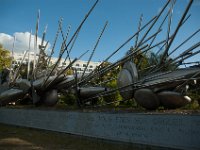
<point x="18" y="18"/>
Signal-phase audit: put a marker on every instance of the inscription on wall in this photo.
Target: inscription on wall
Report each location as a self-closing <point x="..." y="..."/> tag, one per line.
<point x="175" y="131"/>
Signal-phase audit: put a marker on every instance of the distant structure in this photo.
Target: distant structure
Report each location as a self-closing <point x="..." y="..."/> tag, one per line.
<point x="79" y="65"/>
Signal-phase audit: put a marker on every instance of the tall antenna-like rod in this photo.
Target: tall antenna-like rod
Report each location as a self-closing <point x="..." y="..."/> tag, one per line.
<point x="184" y="41"/>
<point x="54" y="44"/>
<point x="63" y="37"/>
<point x="29" y="47"/>
<point x="156" y="19"/>
<point x="75" y="33"/>
<point x="139" y="26"/>
<point x="170" y="21"/>
<point x="35" y="42"/>
<point x="113" y="53"/>
<point x="94" y="48"/>
<point x="12" y="57"/>
<point x="175" y="32"/>
<point x="72" y="45"/>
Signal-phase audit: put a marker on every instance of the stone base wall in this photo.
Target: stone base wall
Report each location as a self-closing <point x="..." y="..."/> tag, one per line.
<point x="165" y="130"/>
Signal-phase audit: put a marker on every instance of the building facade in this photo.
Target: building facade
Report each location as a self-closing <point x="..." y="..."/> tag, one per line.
<point x="79" y="65"/>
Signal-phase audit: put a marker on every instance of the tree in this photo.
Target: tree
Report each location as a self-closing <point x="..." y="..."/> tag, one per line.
<point x="112" y="84"/>
<point x="155" y="59"/>
<point x="69" y="71"/>
<point x="5" y="59"/>
<point x="114" y="97"/>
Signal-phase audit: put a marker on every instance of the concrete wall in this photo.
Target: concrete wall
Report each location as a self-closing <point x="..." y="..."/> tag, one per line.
<point x="173" y="131"/>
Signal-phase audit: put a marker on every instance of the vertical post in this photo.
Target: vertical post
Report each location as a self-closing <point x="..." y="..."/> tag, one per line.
<point x="165" y="54"/>
<point x="29" y="48"/>
<point x="139" y="26"/>
<point x="12" y="57"/>
<point x="35" y="42"/>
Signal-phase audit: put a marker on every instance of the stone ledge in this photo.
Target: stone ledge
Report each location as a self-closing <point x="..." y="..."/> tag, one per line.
<point x="173" y="131"/>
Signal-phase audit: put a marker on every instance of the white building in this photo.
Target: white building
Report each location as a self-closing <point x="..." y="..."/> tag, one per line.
<point x="79" y="65"/>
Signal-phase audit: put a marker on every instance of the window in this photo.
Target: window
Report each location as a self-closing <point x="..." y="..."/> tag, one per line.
<point x="84" y="65"/>
<point x="78" y="69"/>
<point x="14" y="62"/>
<point x="77" y="65"/>
<point x="91" y="66"/>
<point x="63" y="63"/>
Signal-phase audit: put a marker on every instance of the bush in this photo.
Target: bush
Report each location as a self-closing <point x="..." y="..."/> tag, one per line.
<point x="115" y="97"/>
<point x="69" y="99"/>
<point x="195" y="104"/>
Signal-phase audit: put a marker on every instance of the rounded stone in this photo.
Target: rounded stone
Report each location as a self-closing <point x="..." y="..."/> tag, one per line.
<point x="50" y="98"/>
<point x="24" y="84"/>
<point x="10" y="95"/>
<point x="147" y="99"/>
<point x="172" y="100"/>
<point x="131" y="67"/>
<point x="125" y="79"/>
<point x="87" y="92"/>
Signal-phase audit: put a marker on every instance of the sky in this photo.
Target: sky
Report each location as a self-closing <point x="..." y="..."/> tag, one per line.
<point x="18" y="18"/>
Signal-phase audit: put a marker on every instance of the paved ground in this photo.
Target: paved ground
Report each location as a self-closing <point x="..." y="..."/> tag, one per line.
<point x="18" y="138"/>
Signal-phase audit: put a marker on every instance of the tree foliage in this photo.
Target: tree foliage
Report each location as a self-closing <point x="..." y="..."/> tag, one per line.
<point x="110" y="76"/>
<point x="69" y="71"/>
<point x="5" y="59"/>
<point x="140" y="59"/>
<point x="155" y="59"/>
<point x="69" y="99"/>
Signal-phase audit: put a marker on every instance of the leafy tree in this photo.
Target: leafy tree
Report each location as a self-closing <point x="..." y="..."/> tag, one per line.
<point x="115" y="96"/>
<point x="5" y="59"/>
<point x="140" y="59"/>
<point x="69" y="71"/>
<point x="154" y="59"/>
<point x="23" y="71"/>
<point x="112" y="84"/>
<point x="69" y="99"/>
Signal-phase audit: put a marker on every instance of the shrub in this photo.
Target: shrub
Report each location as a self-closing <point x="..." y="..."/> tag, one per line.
<point x="69" y="99"/>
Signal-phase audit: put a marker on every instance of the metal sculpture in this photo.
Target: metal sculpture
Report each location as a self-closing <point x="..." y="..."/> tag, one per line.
<point x="150" y="87"/>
